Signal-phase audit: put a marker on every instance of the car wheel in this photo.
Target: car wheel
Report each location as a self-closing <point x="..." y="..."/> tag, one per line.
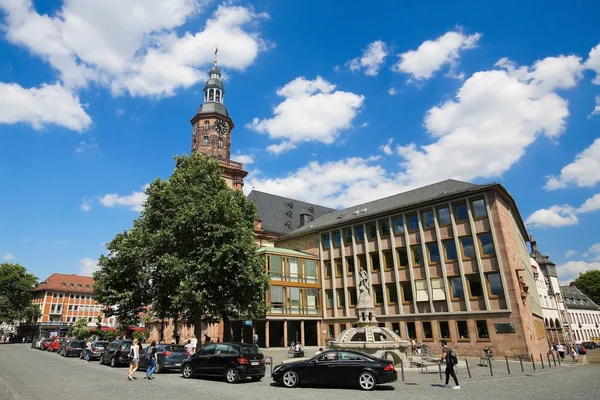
<point x="231" y="376"/>
<point x="159" y="368"/>
<point x="187" y="371"/>
<point x="366" y="381"/>
<point x="256" y="378"/>
<point x="113" y="362"/>
<point x="100" y="361"/>
<point x="290" y="379"/>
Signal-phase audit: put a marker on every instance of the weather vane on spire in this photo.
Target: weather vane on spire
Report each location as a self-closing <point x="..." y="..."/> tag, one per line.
<point x="216" y="51"/>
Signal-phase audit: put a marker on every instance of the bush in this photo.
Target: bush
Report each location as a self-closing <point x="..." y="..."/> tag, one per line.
<point x="140" y="336"/>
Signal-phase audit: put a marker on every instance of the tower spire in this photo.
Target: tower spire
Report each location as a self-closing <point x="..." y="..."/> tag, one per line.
<point x="216" y="60"/>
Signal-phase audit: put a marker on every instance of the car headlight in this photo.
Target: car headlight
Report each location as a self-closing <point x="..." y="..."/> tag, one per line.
<point x="277" y="368"/>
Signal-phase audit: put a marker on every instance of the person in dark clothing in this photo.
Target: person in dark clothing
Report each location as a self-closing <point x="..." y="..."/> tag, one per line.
<point x="446" y="356"/>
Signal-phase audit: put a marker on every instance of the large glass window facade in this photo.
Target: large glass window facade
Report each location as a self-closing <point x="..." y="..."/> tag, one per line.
<point x="292" y="269"/>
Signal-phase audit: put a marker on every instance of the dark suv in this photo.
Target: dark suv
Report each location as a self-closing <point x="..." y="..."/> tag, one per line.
<point x="98" y="347"/>
<point x="170" y="356"/>
<point x="116" y="353"/>
<point x="233" y="361"/>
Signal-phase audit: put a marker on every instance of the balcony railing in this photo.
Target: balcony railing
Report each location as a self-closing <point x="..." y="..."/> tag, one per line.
<point x="297" y="310"/>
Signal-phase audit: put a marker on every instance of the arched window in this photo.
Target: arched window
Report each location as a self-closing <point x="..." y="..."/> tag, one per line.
<point x="551" y="324"/>
<point x="557" y="323"/>
<point x="218" y="96"/>
<point x="211" y="95"/>
<point x="546" y="322"/>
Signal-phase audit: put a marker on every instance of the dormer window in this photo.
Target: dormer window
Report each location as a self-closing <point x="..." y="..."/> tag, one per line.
<point x="79" y="285"/>
<point x="64" y="284"/>
<point x="72" y="285"/>
<point x="87" y="286"/>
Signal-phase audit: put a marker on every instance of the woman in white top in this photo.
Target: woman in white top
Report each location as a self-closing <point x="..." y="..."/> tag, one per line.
<point x="133" y="365"/>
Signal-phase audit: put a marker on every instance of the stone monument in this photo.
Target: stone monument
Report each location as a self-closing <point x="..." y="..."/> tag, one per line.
<point x="367" y="336"/>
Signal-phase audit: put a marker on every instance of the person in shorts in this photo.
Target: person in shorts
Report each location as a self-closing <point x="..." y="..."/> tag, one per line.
<point x="135" y="358"/>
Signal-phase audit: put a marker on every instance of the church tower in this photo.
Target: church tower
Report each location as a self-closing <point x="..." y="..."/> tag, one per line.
<point x="211" y="130"/>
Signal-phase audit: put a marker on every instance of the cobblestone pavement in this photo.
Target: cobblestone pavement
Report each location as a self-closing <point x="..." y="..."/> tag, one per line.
<point x="27" y="374"/>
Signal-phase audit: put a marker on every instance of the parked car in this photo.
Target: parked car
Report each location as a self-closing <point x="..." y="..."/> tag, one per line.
<point x="233" y="361"/>
<point x="170" y="356"/>
<point x="98" y="347"/>
<point x="337" y="368"/>
<point x="116" y="353"/>
<point x="37" y="344"/>
<point x="72" y="348"/>
<point x="54" y="346"/>
<point x="46" y="344"/>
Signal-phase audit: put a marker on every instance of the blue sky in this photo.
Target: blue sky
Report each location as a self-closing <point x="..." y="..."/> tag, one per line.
<point x="334" y="103"/>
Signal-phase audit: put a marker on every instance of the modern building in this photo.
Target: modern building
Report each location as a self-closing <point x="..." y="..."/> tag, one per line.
<point x="548" y="287"/>
<point x="582" y="313"/>
<point x="445" y="261"/>
<point x="63" y="299"/>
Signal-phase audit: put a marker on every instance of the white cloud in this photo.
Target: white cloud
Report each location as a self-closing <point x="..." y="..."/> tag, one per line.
<point x="596" y="109"/>
<point x="83" y="146"/>
<point x="570" y="253"/>
<point x="335" y="184"/>
<point x="593" y="63"/>
<point x="134" y="201"/>
<point x="88" y="266"/>
<point x="133" y="46"/>
<point x="243" y="158"/>
<point x="432" y="55"/>
<point x="496" y="115"/>
<point x="312" y="111"/>
<point x="371" y="59"/>
<point x="563" y="215"/>
<point x="572" y="269"/>
<point x="392" y="91"/>
<point x="387" y="147"/>
<point x="85" y="206"/>
<point x="584" y="171"/>
<point x="120" y="112"/>
<point x="41" y="106"/>
<point x="8" y="257"/>
<point x="555" y="216"/>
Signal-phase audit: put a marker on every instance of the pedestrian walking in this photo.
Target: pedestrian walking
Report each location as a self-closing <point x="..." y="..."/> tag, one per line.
<point x="189" y="347"/>
<point x="152" y="360"/>
<point x="88" y="350"/>
<point x="255" y="339"/>
<point x="134" y="357"/>
<point x="194" y="344"/>
<point x="451" y="361"/>
<point x="561" y="350"/>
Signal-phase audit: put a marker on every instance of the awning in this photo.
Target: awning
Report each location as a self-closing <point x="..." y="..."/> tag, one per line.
<point x="136" y="329"/>
<point x="103" y="329"/>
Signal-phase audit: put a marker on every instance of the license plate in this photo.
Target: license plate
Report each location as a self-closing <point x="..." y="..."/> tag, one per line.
<point x="254" y="363"/>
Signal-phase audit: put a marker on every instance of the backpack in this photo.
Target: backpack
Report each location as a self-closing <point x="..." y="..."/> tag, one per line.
<point x="131" y="353"/>
<point x="149" y="352"/>
<point x="452" y="357"/>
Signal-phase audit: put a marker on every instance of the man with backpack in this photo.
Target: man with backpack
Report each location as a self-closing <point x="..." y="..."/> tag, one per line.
<point x="451" y="362"/>
<point x="151" y="361"/>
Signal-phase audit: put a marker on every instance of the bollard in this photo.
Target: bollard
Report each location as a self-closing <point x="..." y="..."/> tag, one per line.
<point x="490" y="364"/>
<point x="554" y="359"/>
<point x="549" y="363"/>
<point x="269" y="360"/>
<point x="468" y="370"/>
<point x="440" y="368"/>
<point x="507" y="366"/>
<point x="542" y="360"/>
<point x="521" y="361"/>
<point x="402" y="370"/>
<point x="533" y="362"/>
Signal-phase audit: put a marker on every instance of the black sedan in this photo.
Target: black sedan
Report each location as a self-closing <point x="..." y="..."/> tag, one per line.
<point x="98" y="347"/>
<point x="337" y="368"/>
<point x="116" y="353"/>
<point x="72" y="348"/>
<point x="233" y="361"/>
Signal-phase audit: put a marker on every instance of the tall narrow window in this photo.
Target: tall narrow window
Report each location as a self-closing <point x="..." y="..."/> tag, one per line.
<point x="206" y="125"/>
<point x="327" y="268"/>
<point x="437" y="289"/>
<point x="443" y="216"/>
<point x="433" y="252"/>
<point x="378" y="294"/>
<point x="211" y="95"/>
<point x="421" y="287"/>
<point x="352" y="296"/>
<point x="398" y="225"/>
<point x="311" y="273"/>
<point x="205" y="141"/>
<point x="411" y="330"/>
<point x="450" y="250"/>
<point x="407" y="296"/>
<point x="427" y="331"/>
<point x="474" y="283"/>
<point x="341" y="301"/>
<point x="461" y="213"/>
<point x="427" y="219"/>
<point x="359" y="232"/>
<point x="325" y="241"/>
<point x="417" y="255"/>
<point x="362" y="262"/>
<point x="456" y="288"/>
<point x="275" y="265"/>
<point x="329" y="294"/>
<point x="337" y="239"/>
<point x="371" y="231"/>
<point x="494" y="285"/>
<point x="444" y="330"/>
<point x="413" y="223"/>
<point x="468" y="251"/>
<point x="482" y="329"/>
<point x="347" y="237"/>
<point x="218" y="96"/>
<point x="292" y="272"/>
<point x="388" y="260"/>
<point x="384" y="228"/>
<point x="392" y="293"/>
<point x="339" y="269"/>
<point x="402" y="257"/>
<point x="463" y="329"/>
<point x="349" y="265"/>
<point x="375" y="264"/>
<point x="486" y="244"/>
<point x="276" y="295"/>
<point x="294" y="300"/>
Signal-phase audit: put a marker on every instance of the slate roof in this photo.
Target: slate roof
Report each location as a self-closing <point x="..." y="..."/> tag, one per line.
<point x="543" y="260"/>
<point x="401" y="200"/>
<point x="62" y="283"/>
<point x="571" y="293"/>
<point x="213" y="107"/>
<point x="281" y="215"/>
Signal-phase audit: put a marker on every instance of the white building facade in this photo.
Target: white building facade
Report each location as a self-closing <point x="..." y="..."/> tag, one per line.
<point x="582" y="313"/>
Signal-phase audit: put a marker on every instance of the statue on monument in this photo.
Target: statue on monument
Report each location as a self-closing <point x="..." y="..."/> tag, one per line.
<point x="364" y="284"/>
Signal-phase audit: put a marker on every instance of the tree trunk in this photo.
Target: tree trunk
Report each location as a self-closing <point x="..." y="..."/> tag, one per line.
<point x="162" y="328"/>
<point x="198" y="327"/>
<point x="227" y="331"/>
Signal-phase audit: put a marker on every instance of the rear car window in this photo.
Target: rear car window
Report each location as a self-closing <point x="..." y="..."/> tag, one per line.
<point x="250" y="349"/>
<point x="101" y="344"/>
<point x="175" y="349"/>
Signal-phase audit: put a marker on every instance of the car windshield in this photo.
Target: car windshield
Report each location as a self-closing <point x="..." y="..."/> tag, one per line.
<point x="250" y="349"/>
<point x="175" y="349"/>
<point x="100" y="344"/>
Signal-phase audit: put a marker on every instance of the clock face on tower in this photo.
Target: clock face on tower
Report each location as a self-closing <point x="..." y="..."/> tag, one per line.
<point x="221" y="127"/>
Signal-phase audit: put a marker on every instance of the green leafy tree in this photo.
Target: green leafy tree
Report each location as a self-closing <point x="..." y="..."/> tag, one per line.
<point x="589" y="283"/>
<point x="191" y="251"/>
<point x="15" y="291"/>
<point x="80" y="329"/>
<point x="32" y="313"/>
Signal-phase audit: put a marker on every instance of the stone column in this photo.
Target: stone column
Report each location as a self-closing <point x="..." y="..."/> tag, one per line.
<point x="267" y="334"/>
<point x="302" y="332"/>
<point x="285" y="338"/>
